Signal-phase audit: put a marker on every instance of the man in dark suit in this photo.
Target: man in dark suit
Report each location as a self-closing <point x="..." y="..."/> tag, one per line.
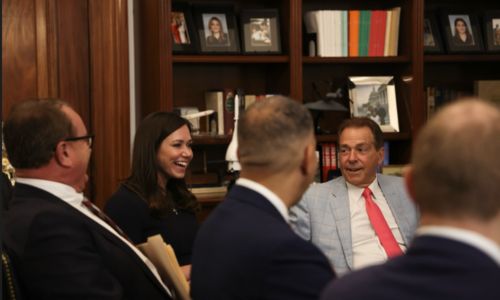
<point x="246" y="248"/>
<point x="454" y="179"/>
<point x="59" y="248"/>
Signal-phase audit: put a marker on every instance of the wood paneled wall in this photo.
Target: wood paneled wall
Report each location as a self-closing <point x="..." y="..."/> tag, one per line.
<point x="77" y="51"/>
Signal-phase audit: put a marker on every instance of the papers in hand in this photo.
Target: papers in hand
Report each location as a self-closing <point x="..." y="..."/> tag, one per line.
<point x="163" y="257"/>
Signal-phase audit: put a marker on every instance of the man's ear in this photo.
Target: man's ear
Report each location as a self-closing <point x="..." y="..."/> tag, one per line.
<point x="381" y="154"/>
<point x="408" y="178"/>
<point x="62" y="154"/>
<point x="309" y="164"/>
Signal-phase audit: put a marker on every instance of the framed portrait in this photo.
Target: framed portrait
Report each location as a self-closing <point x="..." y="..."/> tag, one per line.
<point x="182" y="29"/>
<point x="491" y="23"/>
<point x="432" y="37"/>
<point x="217" y="30"/>
<point x="375" y="97"/>
<point x="462" y="32"/>
<point x="260" y="31"/>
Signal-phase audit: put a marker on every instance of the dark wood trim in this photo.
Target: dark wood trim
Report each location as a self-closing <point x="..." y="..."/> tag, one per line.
<point x="109" y="72"/>
<point x="295" y="48"/>
<point x="251" y="59"/>
<point x="418" y="103"/>
<point x="357" y="60"/>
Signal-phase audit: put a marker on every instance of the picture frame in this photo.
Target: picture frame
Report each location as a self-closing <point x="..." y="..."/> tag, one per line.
<point x="260" y="31"/>
<point x="462" y="32"/>
<point x="182" y="29"/>
<point x="375" y="97"/>
<point x="432" y="37"/>
<point x="491" y="26"/>
<point x="217" y="29"/>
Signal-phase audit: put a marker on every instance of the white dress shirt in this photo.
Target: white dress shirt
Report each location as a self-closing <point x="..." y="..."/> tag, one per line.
<point x="268" y="194"/>
<point x="68" y="194"/>
<point x="471" y="238"/>
<point x="366" y="247"/>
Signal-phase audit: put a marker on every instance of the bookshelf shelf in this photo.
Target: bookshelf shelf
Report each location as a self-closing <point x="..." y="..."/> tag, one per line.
<point x="357" y="60"/>
<point x="238" y="59"/>
<point x="463" y="58"/>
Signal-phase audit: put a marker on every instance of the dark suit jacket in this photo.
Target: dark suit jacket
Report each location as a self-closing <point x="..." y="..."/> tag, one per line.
<point x="59" y="253"/>
<point x="433" y="268"/>
<point x="246" y="250"/>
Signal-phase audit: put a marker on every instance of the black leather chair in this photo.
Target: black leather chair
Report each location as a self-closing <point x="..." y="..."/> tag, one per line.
<point x="10" y="287"/>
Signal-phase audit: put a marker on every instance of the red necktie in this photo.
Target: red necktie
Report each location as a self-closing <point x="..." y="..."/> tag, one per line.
<point x="380" y="226"/>
<point x="101" y="215"/>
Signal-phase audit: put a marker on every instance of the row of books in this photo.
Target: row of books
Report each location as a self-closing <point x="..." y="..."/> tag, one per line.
<point x="342" y="33"/>
<point x="328" y="163"/>
<point x="222" y="103"/>
<point x="438" y="96"/>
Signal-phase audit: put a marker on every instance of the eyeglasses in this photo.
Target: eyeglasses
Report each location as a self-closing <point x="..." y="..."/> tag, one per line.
<point x="89" y="138"/>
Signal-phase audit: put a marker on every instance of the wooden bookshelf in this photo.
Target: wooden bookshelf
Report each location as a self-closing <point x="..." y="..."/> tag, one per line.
<point x="168" y="80"/>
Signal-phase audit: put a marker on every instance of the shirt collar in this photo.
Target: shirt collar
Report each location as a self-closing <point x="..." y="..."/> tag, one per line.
<point x="472" y="238"/>
<point x="356" y="192"/>
<point x="268" y="194"/>
<point x="60" y="190"/>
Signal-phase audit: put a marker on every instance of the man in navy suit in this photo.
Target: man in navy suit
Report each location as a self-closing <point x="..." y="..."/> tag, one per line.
<point x="59" y="248"/>
<point x="246" y="248"/>
<point x="454" y="178"/>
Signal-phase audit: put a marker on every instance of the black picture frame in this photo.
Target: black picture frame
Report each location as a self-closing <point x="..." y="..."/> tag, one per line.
<point x="261" y="31"/>
<point x="209" y="15"/>
<point x="491" y="23"/>
<point x="432" y="37"/>
<point x="182" y="30"/>
<point x="472" y="39"/>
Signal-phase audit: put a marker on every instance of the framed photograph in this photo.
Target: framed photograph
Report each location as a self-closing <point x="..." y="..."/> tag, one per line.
<point x="491" y="23"/>
<point x="462" y="32"/>
<point x="217" y="30"/>
<point x="375" y="97"/>
<point x="261" y="32"/>
<point x="182" y="29"/>
<point x="432" y="38"/>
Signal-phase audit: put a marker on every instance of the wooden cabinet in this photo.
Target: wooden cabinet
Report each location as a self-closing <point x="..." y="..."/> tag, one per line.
<point x="76" y="51"/>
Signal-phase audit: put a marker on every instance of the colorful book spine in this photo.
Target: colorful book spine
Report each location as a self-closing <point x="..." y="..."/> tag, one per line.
<point x="364" y="32"/>
<point x="354" y="33"/>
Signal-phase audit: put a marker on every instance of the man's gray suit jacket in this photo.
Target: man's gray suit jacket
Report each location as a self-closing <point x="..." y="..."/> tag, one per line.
<point x="323" y="217"/>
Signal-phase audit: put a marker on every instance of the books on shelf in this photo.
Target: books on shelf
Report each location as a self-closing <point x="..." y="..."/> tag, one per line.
<point x="437" y="96"/>
<point x="163" y="257"/>
<point x="328" y="160"/>
<point x="342" y="33"/>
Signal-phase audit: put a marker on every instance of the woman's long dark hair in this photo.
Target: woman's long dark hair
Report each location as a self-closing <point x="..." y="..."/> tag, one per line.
<point x="143" y="179"/>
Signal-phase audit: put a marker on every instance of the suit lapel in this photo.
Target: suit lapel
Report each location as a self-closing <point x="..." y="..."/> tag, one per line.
<point x="393" y="197"/>
<point x="339" y="206"/>
<point x="122" y="245"/>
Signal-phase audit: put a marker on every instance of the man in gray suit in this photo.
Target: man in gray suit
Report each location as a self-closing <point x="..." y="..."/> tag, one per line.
<point x="362" y="217"/>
